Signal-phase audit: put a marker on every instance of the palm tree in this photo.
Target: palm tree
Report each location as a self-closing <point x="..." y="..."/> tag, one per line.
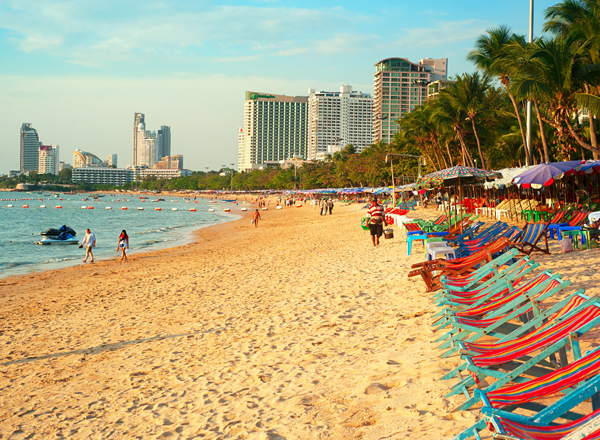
<point x="490" y="55"/>
<point x="580" y="19"/>
<point x="559" y="71"/>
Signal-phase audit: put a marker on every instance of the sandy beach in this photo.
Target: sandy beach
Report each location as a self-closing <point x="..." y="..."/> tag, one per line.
<point x="297" y="329"/>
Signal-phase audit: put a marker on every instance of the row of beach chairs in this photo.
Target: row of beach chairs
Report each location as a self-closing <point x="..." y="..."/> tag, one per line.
<point x="517" y="329"/>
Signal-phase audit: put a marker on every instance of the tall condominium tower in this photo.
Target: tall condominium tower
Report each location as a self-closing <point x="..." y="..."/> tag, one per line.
<point x="275" y="129"/>
<point x="49" y="160"/>
<point x="339" y="119"/>
<point x="164" y="142"/>
<point x="399" y="87"/>
<point x="138" y="118"/>
<point x="30" y="148"/>
<point x="111" y="160"/>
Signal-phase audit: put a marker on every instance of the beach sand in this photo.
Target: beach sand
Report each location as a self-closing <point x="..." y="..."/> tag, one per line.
<point x="297" y="329"/>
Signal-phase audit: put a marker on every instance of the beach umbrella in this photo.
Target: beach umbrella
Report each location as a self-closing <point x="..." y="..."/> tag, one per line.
<point x="590" y="167"/>
<point x="545" y="174"/>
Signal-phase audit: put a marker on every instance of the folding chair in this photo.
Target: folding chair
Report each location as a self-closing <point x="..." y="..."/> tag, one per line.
<point x="532" y="233"/>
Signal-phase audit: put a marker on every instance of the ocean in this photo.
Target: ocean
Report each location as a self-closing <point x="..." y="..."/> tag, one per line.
<point x="148" y="229"/>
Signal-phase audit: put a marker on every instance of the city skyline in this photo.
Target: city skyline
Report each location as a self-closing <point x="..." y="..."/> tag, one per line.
<point x="71" y="70"/>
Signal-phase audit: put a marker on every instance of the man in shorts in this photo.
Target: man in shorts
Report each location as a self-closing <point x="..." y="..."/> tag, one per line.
<point x="376" y="221"/>
<point x="89" y="241"/>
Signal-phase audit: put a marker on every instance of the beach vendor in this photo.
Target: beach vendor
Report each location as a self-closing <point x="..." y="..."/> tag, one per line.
<point x="376" y="221"/>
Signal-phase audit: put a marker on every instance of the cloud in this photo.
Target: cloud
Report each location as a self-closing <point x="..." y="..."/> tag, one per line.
<point x="443" y="33"/>
<point x="106" y="31"/>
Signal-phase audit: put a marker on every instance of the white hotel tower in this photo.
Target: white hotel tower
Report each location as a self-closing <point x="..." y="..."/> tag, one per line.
<point x="337" y="119"/>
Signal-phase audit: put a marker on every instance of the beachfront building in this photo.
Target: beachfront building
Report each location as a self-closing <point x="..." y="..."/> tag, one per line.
<point x="64" y="166"/>
<point x="111" y="160"/>
<point x="339" y="118"/>
<point x="173" y="173"/>
<point x="138" y="119"/>
<point x="434" y="89"/>
<point x="30" y="148"/>
<point x="83" y="159"/>
<point x="170" y="163"/>
<point x="275" y="128"/>
<point x="163" y="148"/>
<point x="48" y="161"/>
<point x="103" y="176"/>
<point x="400" y="86"/>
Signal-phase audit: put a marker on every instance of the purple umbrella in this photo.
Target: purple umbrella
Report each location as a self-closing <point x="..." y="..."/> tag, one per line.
<point x="545" y="174"/>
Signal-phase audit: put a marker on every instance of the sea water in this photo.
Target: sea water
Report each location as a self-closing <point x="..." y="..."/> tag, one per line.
<point x="148" y="229"/>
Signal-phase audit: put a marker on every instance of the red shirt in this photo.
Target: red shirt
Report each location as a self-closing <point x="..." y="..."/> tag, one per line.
<point x="376" y="212"/>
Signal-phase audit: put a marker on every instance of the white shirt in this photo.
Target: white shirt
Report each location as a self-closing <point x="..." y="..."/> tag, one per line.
<point x="90" y="239"/>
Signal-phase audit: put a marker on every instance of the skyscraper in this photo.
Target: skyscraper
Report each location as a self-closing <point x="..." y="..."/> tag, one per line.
<point x="275" y="128"/>
<point x="48" y="162"/>
<point x="138" y="118"/>
<point x="111" y="160"/>
<point x="339" y="119"/>
<point x="30" y="148"/>
<point x="399" y="87"/>
<point x="164" y="142"/>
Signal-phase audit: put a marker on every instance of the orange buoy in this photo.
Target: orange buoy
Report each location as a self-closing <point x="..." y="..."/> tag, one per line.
<point x="193" y="210"/>
<point x="227" y="210"/>
<point x="25" y="206"/>
<point x="59" y="207"/>
<point x="124" y="208"/>
<point x="157" y="209"/>
<point x="90" y="207"/>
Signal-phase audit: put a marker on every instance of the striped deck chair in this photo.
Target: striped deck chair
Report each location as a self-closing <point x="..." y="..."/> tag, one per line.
<point x="517" y="356"/>
<point x="557" y="217"/>
<point x="569" y="379"/>
<point x="459" y="266"/>
<point x="499" y="318"/>
<point x="493" y="280"/>
<point x="532" y="233"/>
<point x="485" y="274"/>
<point x="577" y="219"/>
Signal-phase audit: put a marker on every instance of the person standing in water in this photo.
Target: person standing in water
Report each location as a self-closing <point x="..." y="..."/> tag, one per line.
<point x="256" y="217"/>
<point x="123" y="245"/>
<point x="89" y="241"/>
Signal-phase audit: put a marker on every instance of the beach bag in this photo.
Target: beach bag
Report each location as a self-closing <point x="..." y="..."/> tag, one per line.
<point x="252" y="221"/>
<point x="364" y="223"/>
<point x="566" y="245"/>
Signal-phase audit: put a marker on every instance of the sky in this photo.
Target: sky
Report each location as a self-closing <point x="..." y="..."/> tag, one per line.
<point x="78" y="70"/>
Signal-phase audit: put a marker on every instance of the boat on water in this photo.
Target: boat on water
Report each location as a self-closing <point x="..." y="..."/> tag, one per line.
<point x="62" y="235"/>
<point x="63" y="238"/>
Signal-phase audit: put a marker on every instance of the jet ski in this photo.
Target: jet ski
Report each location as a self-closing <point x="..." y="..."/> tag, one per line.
<point x="51" y="232"/>
<point x="63" y="238"/>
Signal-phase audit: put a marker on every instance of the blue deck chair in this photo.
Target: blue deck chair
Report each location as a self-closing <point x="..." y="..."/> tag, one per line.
<point x="531" y="235"/>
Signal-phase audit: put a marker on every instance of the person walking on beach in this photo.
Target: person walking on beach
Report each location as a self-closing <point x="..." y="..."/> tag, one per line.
<point x="323" y="205"/>
<point x="376" y="221"/>
<point x="89" y="241"/>
<point x="123" y="244"/>
<point x="330" y="206"/>
<point x="256" y="217"/>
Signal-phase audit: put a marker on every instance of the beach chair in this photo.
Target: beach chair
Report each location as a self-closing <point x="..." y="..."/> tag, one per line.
<point x="579" y="381"/>
<point x="459" y="266"/>
<point x="578" y="218"/>
<point x="531" y="235"/>
<point x="492" y="318"/>
<point x="517" y="356"/>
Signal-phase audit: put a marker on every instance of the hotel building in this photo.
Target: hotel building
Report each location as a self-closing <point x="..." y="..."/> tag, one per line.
<point x="275" y="128"/>
<point x="102" y="176"/>
<point x="400" y="86"/>
<point x="339" y="119"/>
<point x="30" y="148"/>
<point x="164" y="142"/>
<point x="82" y="159"/>
<point x="111" y="160"/>
<point x="48" y="162"/>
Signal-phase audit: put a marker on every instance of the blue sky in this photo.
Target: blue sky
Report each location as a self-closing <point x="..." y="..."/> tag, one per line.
<point x="78" y="70"/>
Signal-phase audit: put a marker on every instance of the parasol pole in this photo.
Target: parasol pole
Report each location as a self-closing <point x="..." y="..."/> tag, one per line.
<point x="461" y="205"/>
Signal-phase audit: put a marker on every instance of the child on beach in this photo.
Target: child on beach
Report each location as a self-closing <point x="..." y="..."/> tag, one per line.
<point x="123" y="245"/>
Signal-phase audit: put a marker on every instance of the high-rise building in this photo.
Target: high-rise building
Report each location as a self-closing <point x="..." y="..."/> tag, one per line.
<point x="147" y="150"/>
<point x="138" y="119"/>
<point x="84" y="159"/>
<point x="400" y="86"/>
<point x="48" y="162"/>
<point x="170" y="163"/>
<point x="275" y="128"/>
<point x="164" y="141"/>
<point x="111" y="160"/>
<point x="30" y="148"/>
<point x="339" y="119"/>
